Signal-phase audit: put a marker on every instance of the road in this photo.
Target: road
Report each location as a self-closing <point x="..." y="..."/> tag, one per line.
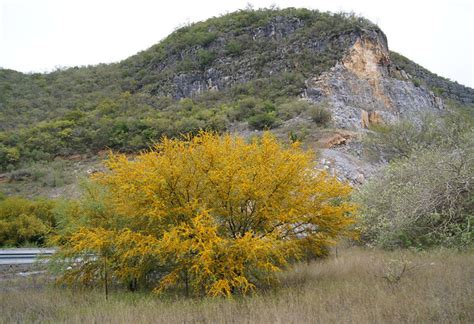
<point x="24" y="255"/>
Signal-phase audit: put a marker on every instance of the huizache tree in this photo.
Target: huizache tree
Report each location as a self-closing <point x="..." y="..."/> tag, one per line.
<point x="211" y="214"/>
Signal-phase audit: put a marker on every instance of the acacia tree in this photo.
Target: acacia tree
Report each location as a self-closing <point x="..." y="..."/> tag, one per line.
<point x="215" y="214"/>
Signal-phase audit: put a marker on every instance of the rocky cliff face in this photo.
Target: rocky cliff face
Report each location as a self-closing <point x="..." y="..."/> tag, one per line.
<point x="366" y="88"/>
<point x="291" y="41"/>
<point x="352" y="70"/>
<point x="228" y="67"/>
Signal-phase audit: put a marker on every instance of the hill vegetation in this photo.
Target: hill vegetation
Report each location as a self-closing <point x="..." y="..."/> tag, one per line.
<point x="128" y="105"/>
<point x="449" y="90"/>
<point x="257" y="61"/>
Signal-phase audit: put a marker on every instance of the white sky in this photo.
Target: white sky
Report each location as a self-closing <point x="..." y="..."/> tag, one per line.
<point x="39" y="35"/>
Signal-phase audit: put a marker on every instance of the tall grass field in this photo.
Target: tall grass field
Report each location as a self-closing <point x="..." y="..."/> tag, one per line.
<point x="356" y="286"/>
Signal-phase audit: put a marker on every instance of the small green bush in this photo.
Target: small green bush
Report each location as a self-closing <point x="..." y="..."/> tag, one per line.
<point x="425" y="197"/>
<point x="245" y="107"/>
<point x="320" y="115"/>
<point x="8" y="156"/>
<point x="186" y="65"/>
<point x="205" y="58"/>
<point x="263" y="121"/>
<point x="422" y="201"/>
<point x="293" y="108"/>
<point x="25" y="221"/>
<point x="234" y="48"/>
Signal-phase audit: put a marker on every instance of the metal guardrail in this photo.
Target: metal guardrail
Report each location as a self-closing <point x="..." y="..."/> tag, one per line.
<point x="24" y="255"/>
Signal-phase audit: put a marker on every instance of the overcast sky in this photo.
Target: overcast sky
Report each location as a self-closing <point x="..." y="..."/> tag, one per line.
<point x="39" y="35"/>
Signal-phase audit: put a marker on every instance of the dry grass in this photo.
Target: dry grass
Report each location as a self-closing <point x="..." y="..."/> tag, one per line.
<point x="360" y="286"/>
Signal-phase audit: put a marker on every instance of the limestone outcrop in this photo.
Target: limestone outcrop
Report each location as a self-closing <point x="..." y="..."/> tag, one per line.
<point x="365" y="88"/>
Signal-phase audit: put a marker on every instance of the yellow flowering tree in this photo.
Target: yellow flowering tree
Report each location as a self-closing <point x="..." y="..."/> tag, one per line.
<point x="214" y="214"/>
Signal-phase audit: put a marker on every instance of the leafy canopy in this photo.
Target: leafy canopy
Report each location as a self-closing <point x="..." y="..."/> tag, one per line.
<point x="214" y="214"/>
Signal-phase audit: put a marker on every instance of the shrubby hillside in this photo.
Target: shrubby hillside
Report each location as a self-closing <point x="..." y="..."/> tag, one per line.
<point x="440" y="86"/>
<point x="243" y="70"/>
<point x="163" y="90"/>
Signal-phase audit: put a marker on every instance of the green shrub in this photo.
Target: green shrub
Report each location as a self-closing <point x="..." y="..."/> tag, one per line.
<point x="218" y="122"/>
<point x="8" y="156"/>
<point x="188" y="125"/>
<point x="392" y="141"/>
<point x="320" y="115"/>
<point x="244" y="108"/>
<point x="293" y="108"/>
<point x="234" y="48"/>
<point x="425" y="197"/>
<point x="263" y="121"/>
<point x="299" y="136"/>
<point x="205" y="58"/>
<point x="25" y="221"/>
<point x="204" y="38"/>
<point x="186" y="65"/>
<point x="438" y="91"/>
<point x="52" y="174"/>
<point x="422" y="201"/>
<point x="188" y="36"/>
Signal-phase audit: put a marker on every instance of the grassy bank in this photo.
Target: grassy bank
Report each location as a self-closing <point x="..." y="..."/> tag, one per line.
<point x="359" y="286"/>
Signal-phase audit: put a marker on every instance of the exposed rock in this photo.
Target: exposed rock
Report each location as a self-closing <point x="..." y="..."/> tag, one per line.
<point x="361" y="89"/>
<point x="365" y="119"/>
<point x="75" y="157"/>
<point x="345" y="166"/>
<point x="271" y="49"/>
<point x="336" y="138"/>
<point x="369" y="118"/>
<point x="375" y="118"/>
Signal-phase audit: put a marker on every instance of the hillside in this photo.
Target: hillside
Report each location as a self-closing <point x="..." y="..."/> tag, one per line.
<point x="310" y="75"/>
<point x="442" y="87"/>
